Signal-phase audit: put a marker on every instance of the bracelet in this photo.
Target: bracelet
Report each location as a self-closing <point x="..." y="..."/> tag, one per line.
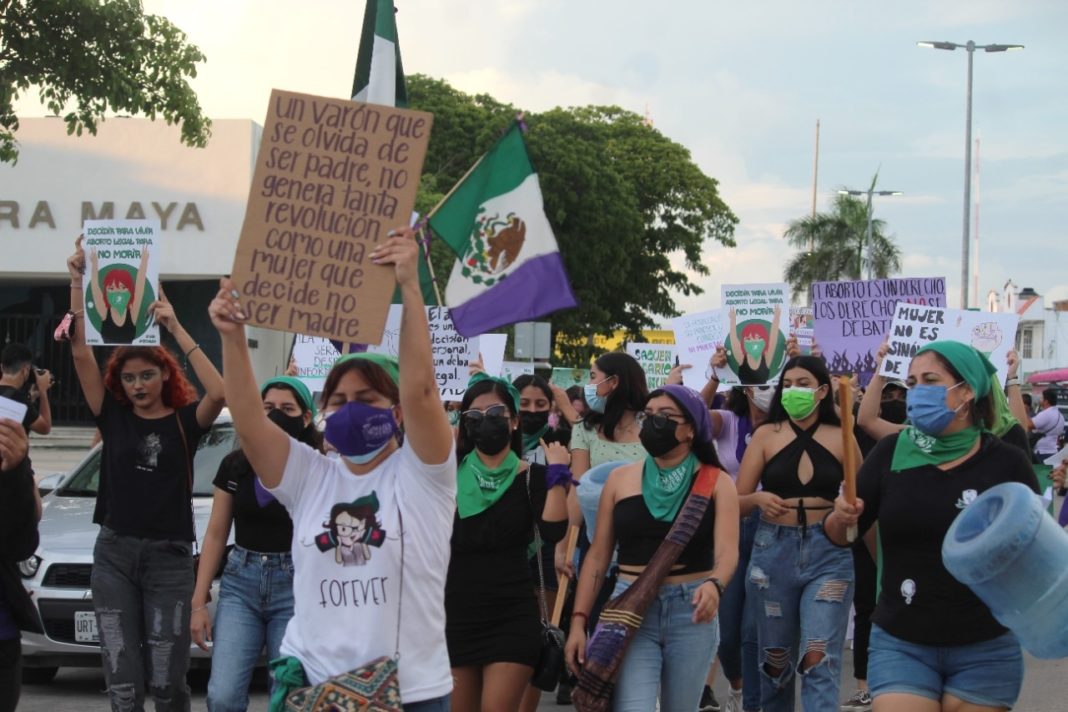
<point x="75" y="286"/>
<point x="195" y="347"/>
<point x="717" y="583"/>
<point x="196" y="610"/>
<point x="715" y="375"/>
<point x="557" y="475"/>
<point x="1010" y="382"/>
<point x="580" y="614"/>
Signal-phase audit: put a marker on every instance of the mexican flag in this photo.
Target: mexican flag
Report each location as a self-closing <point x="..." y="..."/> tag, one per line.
<point x="509" y="266"/>
<point x="379" y="75"/>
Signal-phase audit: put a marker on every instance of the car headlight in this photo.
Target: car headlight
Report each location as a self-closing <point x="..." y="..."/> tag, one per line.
<point x="28" y="568"/>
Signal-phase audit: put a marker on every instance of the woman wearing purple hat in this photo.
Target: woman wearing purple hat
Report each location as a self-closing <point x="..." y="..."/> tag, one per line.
<point x="674" y="646"/>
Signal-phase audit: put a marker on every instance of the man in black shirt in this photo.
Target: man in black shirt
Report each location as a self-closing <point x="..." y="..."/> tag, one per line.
<point x="16" y="369"/>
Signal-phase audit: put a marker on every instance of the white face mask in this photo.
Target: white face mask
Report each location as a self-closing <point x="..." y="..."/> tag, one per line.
<point x="762" y="398"/>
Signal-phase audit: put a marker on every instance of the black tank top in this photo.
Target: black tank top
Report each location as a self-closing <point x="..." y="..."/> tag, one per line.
<point x="780" y="472"/>
<point x="754" y="377"/>
<point x="640" y="535"/>
<point x="112" y="333"/>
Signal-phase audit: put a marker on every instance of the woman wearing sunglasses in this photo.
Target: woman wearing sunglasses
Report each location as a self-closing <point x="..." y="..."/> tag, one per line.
<point x="256" y="593"/>
<point x="678" y="637"/>
<point x="151" y="423"/>
<point x="493" y="627"/>
<point x="374" y="518"/>
<point x="800" y="583"/>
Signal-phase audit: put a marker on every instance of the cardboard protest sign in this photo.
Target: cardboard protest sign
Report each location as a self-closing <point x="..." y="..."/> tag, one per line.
<point x="852" y="318"/>
<point x="511" y="370"/>
<point x="122" y="281"/>
<point x="759" y="321"/>
<point x="697" y="336"/>
<point x="916" y="326"/>
<point x="802" y="327"/>
<point x="451" y="351"/>
<point x="656" y="360"/>
<point x="332" y="178"/>
<point x="567" y="377"/>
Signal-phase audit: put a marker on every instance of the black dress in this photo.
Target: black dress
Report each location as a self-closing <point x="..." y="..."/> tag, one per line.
<point x="491" y="611"/>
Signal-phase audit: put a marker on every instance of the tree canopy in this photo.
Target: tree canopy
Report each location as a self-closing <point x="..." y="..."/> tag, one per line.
<point x="833" y="246"/>
<point x="621" y="197"/>
<point x="101" y="57"/>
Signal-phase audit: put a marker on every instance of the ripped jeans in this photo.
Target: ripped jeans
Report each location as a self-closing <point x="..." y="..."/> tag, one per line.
<point x="801" y="586"/>
<point x="141" y="593"/>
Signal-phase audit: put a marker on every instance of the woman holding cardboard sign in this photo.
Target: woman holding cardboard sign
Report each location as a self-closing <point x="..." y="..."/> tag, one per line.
<point x="800" y="582"/>
<point x="934" y="645"/>
<point x="371" y="528"/>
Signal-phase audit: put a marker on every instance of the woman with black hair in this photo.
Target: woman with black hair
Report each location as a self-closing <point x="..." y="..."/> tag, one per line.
<point x="536" y="400"/>
<point x="256" y="593"/>
<point x="801" y="583"/>
<point x="674" y="646"/>
<point x="492" y="621"/>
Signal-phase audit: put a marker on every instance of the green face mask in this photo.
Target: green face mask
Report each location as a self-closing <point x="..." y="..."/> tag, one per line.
<point x="754" y="347"/>
<point x="798" y="402"/>
<point x="119" y="300"/>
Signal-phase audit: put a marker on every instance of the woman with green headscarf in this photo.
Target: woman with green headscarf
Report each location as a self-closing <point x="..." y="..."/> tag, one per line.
<point x="256" y="591"/>
<point x="492" y="621"/>
<point x="934" y="645"/>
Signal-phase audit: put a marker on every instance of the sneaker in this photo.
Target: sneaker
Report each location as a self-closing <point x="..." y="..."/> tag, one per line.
<point x="734" y="701"/>
<point x="859" y="702"/>
<point x="563" y="694"/>
<point x="708" y="701"/>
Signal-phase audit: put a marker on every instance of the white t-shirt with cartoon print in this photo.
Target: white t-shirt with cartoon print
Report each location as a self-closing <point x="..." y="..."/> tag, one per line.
<point x="347" y="558"/>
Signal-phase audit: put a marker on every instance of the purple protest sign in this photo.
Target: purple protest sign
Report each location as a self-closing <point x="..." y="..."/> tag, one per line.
<point x="853" y="317"/>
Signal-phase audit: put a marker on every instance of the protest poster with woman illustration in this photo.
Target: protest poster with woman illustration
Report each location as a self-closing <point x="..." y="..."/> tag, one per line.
<point x="123" y="278"/>
<point x="756" y="338"/>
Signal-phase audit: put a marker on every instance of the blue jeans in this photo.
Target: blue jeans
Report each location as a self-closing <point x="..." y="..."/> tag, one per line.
<point x="801" y="586"/>
<point x="255" y="604"/>
<point x="438" y="704"/>
<point x="669" y="653"/>
<point x="989" y="673"/>
<point x="737" y="622"/>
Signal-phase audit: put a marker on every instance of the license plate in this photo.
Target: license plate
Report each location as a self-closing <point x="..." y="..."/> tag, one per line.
<point x="85" y="627"/>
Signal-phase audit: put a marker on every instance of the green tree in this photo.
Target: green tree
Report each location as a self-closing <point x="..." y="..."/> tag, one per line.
<point x="833" y="246"/>
<point x="622" y="199"/>
<point x="100" y="57"/>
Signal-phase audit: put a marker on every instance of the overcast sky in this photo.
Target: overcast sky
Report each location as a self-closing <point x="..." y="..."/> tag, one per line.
<point x="741" y="85"/>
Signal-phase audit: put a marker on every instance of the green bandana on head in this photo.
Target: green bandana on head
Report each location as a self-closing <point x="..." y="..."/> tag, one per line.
<point x="478" y="487"/>
<point x="386" y="363"/>
<point x="916" y="449"/>
<point x="972" y="365"/>
<point x="664" y="490"/>
<point x="513" y="393"/>
<point x="296" y="384"/>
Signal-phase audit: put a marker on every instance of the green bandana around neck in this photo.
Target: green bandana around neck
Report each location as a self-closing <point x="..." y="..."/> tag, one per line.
<point x="664" y="491"/>
<point x="119" y="300"/>
<point x="916" y="449"/>
<point x="534" y="440"/>
<point x="478" y="487"/>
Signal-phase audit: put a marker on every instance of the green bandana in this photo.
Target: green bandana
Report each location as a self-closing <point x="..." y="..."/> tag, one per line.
<point x="119" y="300"/>
<point x="1003" y="417"/>
<point x="754" y="347"/>
<point x="478" y="487"/>
<point x="507" y="385"/>
<point x="296" y="384"/>
<point x="664" y="491"/>
<point x="972" y="365"/>
<point x="532" y="441"/>
<point x="915" y="449"/>
<point x="388" y="364"/>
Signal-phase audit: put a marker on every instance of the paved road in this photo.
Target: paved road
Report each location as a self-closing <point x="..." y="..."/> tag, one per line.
<point x="78" y="690"/>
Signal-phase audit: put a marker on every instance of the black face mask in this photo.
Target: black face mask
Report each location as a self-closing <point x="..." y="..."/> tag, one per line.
<point x="293" y="425"/>
<point x="491" y="433"/>
<point x="893" y="411"/>
<point x="658" y="441"/>
<point x="533" y="422"/>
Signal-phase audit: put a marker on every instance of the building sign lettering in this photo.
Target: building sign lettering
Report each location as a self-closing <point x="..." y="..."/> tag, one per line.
<point x="171" y="215"/>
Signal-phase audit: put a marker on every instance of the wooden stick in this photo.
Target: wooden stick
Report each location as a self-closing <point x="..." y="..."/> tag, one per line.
<point x="561" y="591"/>
<point x="849" y="446"/>
<point x="424" y="247"/>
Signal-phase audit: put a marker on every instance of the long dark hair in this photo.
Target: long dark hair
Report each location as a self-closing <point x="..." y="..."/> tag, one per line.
<point x="981" y="410"/>
<point x="826" y="413"/>
<point x="529" y="379"/>
<point x="705" y="450"/>
<point x="310" y="435"/>
<point x="631" y="392"/>
<point x="738" y="401"/>
<point x="464" y="445"/>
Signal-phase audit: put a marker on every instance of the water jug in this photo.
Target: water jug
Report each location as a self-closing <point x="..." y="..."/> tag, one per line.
<point x="1014" y="557"/>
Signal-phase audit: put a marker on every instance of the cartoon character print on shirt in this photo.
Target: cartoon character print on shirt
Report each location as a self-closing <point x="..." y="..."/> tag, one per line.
<point x="351" y="530"/>
<point x="148" y="450"/>
<point x="966" y="498"/>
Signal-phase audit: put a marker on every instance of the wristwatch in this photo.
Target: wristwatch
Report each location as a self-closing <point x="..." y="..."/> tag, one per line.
<point x="717" y="583"/>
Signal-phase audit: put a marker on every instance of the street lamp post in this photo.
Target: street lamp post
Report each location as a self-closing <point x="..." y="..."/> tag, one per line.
<point x="860" y="253"/>
<point x="970" y="47"/>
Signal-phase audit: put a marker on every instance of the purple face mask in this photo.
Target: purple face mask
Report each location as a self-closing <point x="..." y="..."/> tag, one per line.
<point x="360" y="431"/>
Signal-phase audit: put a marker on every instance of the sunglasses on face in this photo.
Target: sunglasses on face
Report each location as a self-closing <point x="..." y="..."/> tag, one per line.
<point x="494" y="411"/>
<point x="661" y="421"/>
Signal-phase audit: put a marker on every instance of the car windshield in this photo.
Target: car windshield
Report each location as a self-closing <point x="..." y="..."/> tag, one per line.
<point x="213" y="447"/>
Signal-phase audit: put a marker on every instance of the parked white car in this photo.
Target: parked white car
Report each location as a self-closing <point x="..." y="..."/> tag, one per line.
<point x="57" y="576"/>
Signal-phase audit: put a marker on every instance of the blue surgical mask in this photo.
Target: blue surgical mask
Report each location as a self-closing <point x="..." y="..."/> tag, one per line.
<point x="596" y="402"/>
<point x="365" y="458"/>
<point x="927" y="408"/>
